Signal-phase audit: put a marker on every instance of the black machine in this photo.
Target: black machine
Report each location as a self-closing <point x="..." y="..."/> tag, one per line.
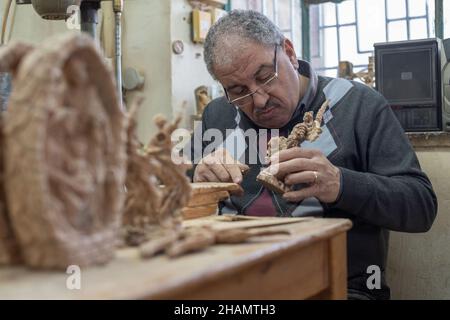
<point x="414" y="76"/>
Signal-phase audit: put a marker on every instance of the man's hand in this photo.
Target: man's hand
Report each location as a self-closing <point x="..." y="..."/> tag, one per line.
<point x="219" y="166"/>
<point x="307" y="166"/>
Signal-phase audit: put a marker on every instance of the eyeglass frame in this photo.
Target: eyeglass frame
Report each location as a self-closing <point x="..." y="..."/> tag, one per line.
<point x="275" y="76"/>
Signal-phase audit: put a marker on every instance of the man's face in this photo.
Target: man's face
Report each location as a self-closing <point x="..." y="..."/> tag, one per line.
<point x="251" y="67"/>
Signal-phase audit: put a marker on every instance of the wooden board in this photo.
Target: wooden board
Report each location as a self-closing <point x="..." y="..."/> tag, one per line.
<point x="202" y="199"/>
<point x="206" y="187"/>
<point x="200" y="211"/>
<point x="221" y="223"/>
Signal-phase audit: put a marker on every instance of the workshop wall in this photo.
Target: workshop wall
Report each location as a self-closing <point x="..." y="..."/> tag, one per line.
<point x="149" y="28"/>
<point x="170" y="78"/>
<point x="146" y="48"/>
<point x="188" y="69"/>
<point x="28" y="26"/>
<point x="418" y="264"/>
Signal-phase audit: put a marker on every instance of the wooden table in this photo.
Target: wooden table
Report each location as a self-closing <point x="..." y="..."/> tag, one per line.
<point x="309" y="263"/>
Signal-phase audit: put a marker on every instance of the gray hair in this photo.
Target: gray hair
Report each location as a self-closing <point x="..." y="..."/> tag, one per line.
<point x="234" y="31"/>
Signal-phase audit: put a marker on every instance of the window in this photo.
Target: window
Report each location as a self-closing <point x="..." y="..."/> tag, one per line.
<point x="446" y="19"/>
<point x="347" y="31"/>
<point x="284" y="13"/>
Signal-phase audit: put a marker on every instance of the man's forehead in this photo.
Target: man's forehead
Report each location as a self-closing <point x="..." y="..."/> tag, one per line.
<point x="244" y="60"/>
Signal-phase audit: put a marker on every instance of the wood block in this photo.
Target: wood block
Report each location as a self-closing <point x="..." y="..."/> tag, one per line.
<point x="207" y="187"/>
<point x="202" y="199"/>
<point x="221" y="223"/>
<point x="200" y="211"/>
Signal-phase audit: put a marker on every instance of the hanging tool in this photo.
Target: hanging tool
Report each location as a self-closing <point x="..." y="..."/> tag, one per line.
<point x="118" y="9"/>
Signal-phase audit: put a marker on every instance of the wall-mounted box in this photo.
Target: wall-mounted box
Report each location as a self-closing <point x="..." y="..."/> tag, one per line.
<point x="216" y="3"/>
<point x="201" y="22"/>
<point x="216" y="14"/>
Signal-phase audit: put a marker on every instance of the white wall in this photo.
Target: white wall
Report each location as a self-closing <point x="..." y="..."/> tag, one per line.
<point x="188" y="69"/>
<point x="419" y="264"/>
<point x="146" y="47"/>
<point x="28" y="26"/>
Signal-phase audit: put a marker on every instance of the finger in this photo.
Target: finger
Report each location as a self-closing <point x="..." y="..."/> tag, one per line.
<point x="216" y="165"/>
<point x="198" y="177"/>
<point x="204" y="174"/>
<point x="235" y="168"/>
<point x="293" y="153"/>
<point x="300" y="177"/>
<point x="234" y="172"/>
<point x="197" y="174"/>
<point x="299" y="195"/>
<point x="224" y="156"/>
<point x="221" y="172"/>
<point x="280" y="170"/>
<point x="244" y="168"/>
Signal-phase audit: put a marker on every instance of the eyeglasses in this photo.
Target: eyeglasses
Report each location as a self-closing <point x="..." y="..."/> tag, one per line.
<point x="266" y="86"/>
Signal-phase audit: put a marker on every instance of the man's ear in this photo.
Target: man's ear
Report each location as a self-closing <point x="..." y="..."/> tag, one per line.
<point x="290" y="52"/>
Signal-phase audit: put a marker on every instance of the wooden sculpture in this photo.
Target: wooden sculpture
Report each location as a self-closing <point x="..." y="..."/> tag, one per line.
<point x="309" y="129"/>
<point x="9" y="250"/>
<point x="157" y="187"/>
<point x="10" y="58"/>
<point x="65" y="158"/>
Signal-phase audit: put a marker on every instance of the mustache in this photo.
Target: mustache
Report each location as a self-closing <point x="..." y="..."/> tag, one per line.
<point x="269" y="104"/>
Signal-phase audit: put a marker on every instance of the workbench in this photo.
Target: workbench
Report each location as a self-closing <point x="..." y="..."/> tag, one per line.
<point x="311" y="262"/>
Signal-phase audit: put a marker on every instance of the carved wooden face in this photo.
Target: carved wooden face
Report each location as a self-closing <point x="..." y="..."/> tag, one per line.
<point x="65" y="146"/>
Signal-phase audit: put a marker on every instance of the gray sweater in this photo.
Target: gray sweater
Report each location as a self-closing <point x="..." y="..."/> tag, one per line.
<point x="382" y="185"/>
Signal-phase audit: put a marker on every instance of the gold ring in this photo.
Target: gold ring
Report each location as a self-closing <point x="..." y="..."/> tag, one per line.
<point x="316" y="177"/>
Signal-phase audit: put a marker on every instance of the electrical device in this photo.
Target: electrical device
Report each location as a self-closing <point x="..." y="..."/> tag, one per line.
<point x="414" y="77"/>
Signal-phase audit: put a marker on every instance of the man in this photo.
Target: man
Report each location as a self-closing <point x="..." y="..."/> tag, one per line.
<point x="362" y="167"/>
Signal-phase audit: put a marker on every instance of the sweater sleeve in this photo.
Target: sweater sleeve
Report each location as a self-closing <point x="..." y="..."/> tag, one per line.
<point x="393" y="193"/>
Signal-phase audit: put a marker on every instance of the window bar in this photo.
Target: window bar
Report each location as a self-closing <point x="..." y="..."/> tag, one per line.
<point x="408" y="20"/>
<point x="438" y="18"/>
<point x="316" y="13"/>
<point x="336" y="67"/>
<point x="386" y="21"/>
<point x="291" y="5"/>
<point x="321" y="44"/>
<point x="275" y="11"/>
<point x="427" y="19"/>
<point x="338" y="32"/>
<point x="306" y="54"/>
<point x="358" y="44"/>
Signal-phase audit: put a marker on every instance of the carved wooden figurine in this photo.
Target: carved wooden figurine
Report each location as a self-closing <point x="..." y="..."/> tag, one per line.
<point x="309" y="129"/>
<point x="157" y="187"/>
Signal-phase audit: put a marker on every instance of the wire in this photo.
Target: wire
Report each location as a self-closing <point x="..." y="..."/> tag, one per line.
<point x="5" y="21"/>
<point x="12" y="19"/>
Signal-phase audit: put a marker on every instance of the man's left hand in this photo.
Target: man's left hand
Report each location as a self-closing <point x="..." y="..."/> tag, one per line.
<point x="310" y="167"/>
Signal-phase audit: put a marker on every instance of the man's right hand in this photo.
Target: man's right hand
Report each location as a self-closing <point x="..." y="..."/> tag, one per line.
<point x="219" y="166"/>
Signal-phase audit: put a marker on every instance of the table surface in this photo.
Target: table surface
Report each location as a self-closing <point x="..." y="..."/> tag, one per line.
<point x="130" y="277"/>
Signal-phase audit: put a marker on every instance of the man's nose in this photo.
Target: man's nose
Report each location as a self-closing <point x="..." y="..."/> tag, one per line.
<point x="260" y="99"/>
